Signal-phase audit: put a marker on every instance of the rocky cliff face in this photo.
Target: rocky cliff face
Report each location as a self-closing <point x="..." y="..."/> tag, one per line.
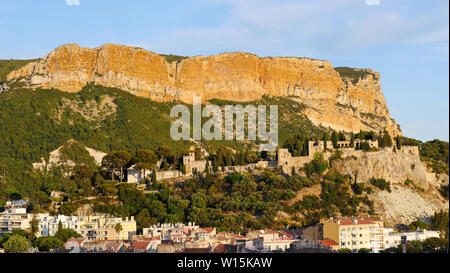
<point x="333" y="100"/>
<point x="407" y="202"/>
<point x="394" y="166"/>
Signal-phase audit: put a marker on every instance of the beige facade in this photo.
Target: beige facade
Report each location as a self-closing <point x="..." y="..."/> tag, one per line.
<point x="14" y="218"/>
<point x="354" y="233"/>
<point x="102" y="227"/>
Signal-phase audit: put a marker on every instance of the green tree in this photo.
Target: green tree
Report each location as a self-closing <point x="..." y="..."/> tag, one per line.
<point x="16" y="244"/>
<point x="325" y="139"/>
<point x="64" y="234"/>
<point x="145" y="160"/>
<point x="34" y="225"/>
<point x="434" y="245"/>
<point x="385" y="140"/>
<point x="116" y="160"/>
<point x="48" y="243"/>
<point x="68" y="208"/>
<point x="398" y="141"/>
<point x="352" y="140"/>
<point x="365" y="146"/>
<point x="334" y="139"/>
<point x="144" y="219"/>
<point x="154" y="178"/>
<point x="118" y="229"/>
<point x="364" y="250"/>
<point x="183" y="168"/>
<point x="440" y="221"/>
<point x="418" y="224"/>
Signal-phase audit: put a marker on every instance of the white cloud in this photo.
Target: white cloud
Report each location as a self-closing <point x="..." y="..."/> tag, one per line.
<point x="373" y="2"/>
<point x="73" y="2"/>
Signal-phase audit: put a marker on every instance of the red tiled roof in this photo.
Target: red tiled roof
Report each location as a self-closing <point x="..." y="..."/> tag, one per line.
<point x="327" y="242"/>
<point x="360" y="221"/>
<point x="141" y="245"/>
<point x="207" y="230"/>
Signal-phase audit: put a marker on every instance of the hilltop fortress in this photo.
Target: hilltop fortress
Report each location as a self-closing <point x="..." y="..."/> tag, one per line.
<point x="389" y="163"/>
<point x="345" y="102"/>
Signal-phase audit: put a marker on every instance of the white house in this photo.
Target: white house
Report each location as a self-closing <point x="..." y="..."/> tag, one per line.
<point x="393" y="239"/>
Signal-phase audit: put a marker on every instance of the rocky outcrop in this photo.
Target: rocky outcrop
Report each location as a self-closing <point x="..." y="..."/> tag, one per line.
<point x="332" y="100"/>
<point x="417" y="199"/>
<point x="394" y="166"/>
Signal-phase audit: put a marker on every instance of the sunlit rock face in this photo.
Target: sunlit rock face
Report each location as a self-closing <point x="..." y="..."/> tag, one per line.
<point x="332" y="101"/>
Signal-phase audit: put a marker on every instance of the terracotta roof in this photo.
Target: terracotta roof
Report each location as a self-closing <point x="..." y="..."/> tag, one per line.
<point x="207" y="230"/>
<point x="350" y="221"/>
<point x="285" y="233"/>
<point x="141" y="245"/>
<point x="327" y="242"/>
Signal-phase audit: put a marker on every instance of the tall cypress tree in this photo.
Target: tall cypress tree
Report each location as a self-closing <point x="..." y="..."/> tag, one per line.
<point x="334" y="139"/>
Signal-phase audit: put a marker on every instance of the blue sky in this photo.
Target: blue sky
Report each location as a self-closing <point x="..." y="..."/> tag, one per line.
<point x="406" y="40"/>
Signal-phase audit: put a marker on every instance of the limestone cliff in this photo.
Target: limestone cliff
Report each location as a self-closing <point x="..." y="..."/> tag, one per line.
<point x="333" y="100"/>
<point x="407" y="202"/>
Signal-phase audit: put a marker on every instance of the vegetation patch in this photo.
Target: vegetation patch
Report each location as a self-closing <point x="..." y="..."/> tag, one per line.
<point x="7" y="66"/>
<point x="352" y="74"/>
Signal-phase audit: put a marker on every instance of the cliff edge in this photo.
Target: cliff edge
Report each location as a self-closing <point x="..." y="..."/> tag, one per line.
<point x="334" y="99"/>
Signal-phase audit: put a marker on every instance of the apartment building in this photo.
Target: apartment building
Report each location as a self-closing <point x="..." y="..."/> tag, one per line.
<point x="95" y="227"/>
<point x="48" y="225"/>
<point x="393" y="239"/>
<point x="170" y="231"/>
<point x="103" y="227"/>
<point x="354" y="232"/>
<point x="272" y="240"/>
<point x="14" y="218"/>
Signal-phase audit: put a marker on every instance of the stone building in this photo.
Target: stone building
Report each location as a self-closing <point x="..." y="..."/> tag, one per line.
<point x="193" y="166"/>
